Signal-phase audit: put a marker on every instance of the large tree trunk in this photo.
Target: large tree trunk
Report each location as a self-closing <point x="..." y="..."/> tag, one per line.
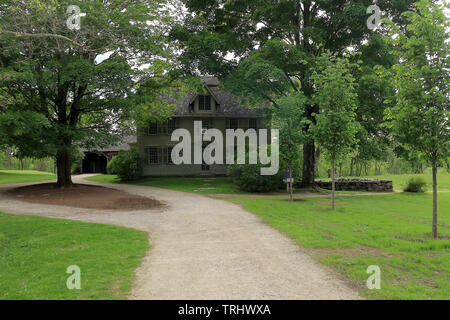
<point x="308" y="165"/>
<point x="435" y="233"/>
<point x="333" y="183"/>
<point x="64" y="166"/>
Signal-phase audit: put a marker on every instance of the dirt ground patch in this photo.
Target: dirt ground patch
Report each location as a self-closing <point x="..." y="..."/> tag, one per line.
<point x="349" y="253"/>
<point x="296" y="200"/>
<point x="84" y="196"/>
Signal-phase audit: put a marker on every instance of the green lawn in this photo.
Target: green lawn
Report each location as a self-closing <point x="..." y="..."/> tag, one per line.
<point x="186" y="184"/>
<point x="35" y="253"/>
<point x="400" y="180"/>
<point x="17" y="176"/>
<point x="390" y="231"/>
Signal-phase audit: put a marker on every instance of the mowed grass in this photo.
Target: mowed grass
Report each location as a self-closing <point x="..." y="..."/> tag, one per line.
<point x="35" y="253"/>
<point x="18" y="176"/>
<point x="400" y="180"/>
<point x="391" y="231"/>
<point x="198" y="185"/>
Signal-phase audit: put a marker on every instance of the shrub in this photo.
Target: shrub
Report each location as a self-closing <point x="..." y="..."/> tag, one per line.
<point x="415" y="184"/>
<point x="248" y="178"/>
<point x="127" y="165"/>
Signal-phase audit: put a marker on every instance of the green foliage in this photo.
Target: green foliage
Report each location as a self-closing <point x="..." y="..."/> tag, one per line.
<point x="62" y="87"/>
<point x="336" y="125"/>
<point x="25" y="130"/>
<point x="415" y="184"/>
<point x="247" y="177"/>
<point x="289" y="118"/>
<point x="420" y="117"/>
<point x="127" y="165"/>
<point x="276" y="45"/>
<point x="373" y="90"/>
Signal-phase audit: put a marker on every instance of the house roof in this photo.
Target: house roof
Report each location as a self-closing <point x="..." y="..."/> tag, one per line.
<point x="125" y="145"/>
<point x="229" y="105"/>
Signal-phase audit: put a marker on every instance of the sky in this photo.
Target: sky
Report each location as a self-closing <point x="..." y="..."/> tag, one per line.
<point x="102" y="57"/>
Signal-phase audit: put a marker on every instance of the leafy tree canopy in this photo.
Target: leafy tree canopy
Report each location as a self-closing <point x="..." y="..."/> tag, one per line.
<point x="61" y="87"/>
<point x="269" y="49"/>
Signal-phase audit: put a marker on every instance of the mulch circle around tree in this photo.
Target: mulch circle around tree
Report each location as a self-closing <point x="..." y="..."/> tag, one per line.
<point x="84" y="196"/>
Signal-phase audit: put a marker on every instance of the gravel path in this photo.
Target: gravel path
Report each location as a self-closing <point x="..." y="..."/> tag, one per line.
<point x="204" y="248"/>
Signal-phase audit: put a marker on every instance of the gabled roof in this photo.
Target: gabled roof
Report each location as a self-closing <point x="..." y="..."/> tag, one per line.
<point x="125" y="145"/>
<point x="229" y="105"/>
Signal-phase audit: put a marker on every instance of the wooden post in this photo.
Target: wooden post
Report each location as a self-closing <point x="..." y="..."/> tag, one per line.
<point x="435" y="232"/>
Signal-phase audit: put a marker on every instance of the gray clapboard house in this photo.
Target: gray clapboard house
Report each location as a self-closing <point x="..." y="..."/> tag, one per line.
<point x="217" y="109"/>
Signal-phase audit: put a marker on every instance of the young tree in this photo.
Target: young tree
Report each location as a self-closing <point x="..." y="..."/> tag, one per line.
<point x="336" y="125"/>
<point x="288" y="117"/>
<point x="68" y="80"/>
<point x="420" y="118"/>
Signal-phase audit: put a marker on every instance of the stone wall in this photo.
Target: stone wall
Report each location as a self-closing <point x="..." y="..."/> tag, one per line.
<point x="358" y="185"/>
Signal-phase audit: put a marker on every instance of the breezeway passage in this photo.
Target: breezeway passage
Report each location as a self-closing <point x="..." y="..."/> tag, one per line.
<point x="205" y="248"/>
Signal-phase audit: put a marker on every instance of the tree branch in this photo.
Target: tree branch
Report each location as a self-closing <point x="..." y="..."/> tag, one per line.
<point x="42" y="35"/>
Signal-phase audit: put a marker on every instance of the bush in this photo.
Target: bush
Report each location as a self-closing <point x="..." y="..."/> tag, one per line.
<point x="415" y="184"/>
<point x="127" y="165"/>
<point x="248" y="178"/>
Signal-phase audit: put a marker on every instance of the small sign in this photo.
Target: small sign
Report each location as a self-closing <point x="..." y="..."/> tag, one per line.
<point x="288" y="180"/>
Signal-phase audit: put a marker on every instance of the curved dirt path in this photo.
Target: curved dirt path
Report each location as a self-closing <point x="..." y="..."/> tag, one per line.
<point x="204" y="248"/>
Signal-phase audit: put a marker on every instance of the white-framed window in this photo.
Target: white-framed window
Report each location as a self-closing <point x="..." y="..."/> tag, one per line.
<point x="233" y="124"/>
<point x="253" y="124"/>
<point x="204" y="103"/>
<point x="206" y="124"/>
<point x="172" y="125"/>
<point x="154" y="155"/>
<point x="168" y="127"/>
